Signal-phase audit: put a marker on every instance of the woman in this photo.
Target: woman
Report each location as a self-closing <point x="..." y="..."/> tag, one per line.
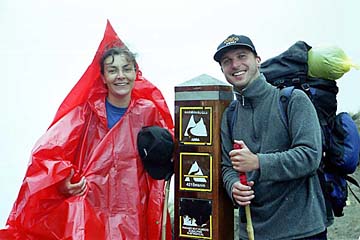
<point x="86" y="179"/>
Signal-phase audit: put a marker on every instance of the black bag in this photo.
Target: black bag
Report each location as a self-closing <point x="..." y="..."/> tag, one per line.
<point x="290" y="69"/>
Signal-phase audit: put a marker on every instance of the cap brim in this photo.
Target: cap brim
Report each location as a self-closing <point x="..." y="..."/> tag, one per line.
<point x="220" y="52"/>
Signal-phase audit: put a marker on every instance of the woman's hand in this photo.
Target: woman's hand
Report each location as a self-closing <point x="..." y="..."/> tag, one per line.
<point x="70" y="188"/>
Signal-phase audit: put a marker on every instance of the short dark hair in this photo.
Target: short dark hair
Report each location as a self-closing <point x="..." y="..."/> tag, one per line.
<point x="117" y="51"/>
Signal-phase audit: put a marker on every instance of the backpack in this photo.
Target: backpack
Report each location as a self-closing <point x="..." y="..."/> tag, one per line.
<point x="341" y="147"/>
<point x="340" y="137"/>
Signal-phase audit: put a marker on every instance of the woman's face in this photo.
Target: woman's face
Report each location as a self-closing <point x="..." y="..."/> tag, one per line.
<point x="119" y="77"/>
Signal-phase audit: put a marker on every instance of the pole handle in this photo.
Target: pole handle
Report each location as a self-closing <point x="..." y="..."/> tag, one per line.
<point x="249" y="225"/>
<point x="243" y="178"/>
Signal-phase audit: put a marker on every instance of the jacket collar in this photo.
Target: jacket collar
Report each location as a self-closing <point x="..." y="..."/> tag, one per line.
<point x="255" y="92"/>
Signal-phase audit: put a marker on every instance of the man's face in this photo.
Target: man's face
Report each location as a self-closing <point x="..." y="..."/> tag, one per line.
<point x="240" y="67"/>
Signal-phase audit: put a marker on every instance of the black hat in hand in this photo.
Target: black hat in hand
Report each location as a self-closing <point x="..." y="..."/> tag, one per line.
<point x="156" y="146"/>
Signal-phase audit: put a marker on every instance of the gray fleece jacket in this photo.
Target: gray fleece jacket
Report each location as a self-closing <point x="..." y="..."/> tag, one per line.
<point x="288" y="201"/>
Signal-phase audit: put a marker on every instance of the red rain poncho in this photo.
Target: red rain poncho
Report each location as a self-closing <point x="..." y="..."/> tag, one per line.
<point x="122" y="200"/>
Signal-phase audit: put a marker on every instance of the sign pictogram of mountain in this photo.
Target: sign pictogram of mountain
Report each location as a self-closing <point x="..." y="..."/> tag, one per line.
<point x="195" y="129"/>
<point x="195" y="174"/>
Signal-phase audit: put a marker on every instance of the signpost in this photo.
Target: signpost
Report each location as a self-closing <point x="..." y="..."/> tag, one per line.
<point x="202" y="208"/>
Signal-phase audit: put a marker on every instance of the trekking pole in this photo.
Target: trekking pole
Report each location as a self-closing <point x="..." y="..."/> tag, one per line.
<point x="249" y="226"/>
<point x="165" y="210"/>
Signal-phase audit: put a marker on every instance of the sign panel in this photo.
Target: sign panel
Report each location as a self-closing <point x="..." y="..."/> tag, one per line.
<point x="195" y="218"/>
<point x="196" y="172"/>
<point x="196" y="125"/>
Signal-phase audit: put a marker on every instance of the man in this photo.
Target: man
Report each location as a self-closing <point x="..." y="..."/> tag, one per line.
<point x="281" y="162"/>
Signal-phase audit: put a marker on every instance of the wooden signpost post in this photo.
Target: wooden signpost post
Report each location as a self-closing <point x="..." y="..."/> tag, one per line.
<point x="202" y="208"/>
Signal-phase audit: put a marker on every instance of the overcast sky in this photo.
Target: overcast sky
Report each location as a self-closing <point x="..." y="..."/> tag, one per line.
<point x="47" y="45"/>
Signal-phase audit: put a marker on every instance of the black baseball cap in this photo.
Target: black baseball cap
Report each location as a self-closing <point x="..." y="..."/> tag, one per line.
<point x="231" y="42"/>
<point x="156" y="146"/>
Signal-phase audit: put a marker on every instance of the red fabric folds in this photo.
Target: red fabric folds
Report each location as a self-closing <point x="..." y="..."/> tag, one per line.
<point x="122" y="200"/>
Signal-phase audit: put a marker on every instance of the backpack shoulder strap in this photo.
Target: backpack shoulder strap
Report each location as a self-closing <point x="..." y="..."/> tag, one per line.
<point x="231" y="117"/>
<point x="285" y="95"/>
